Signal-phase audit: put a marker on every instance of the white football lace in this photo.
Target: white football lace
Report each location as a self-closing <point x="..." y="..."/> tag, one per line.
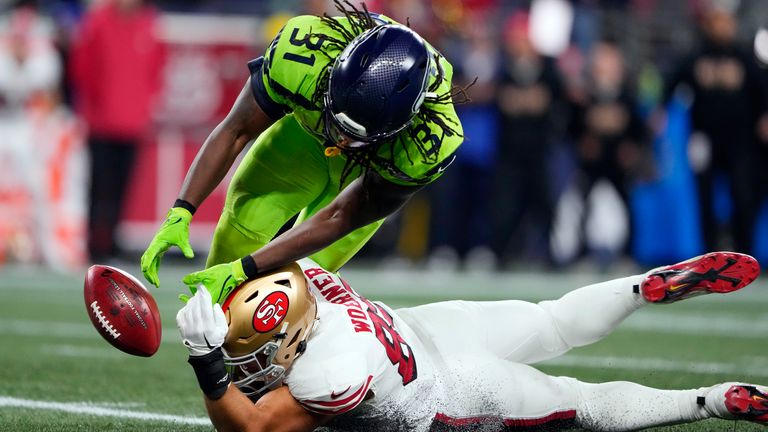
<point x="103" y="320"/>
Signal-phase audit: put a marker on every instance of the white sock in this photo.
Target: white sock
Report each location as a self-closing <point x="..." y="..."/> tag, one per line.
<point x="626" y="406"/>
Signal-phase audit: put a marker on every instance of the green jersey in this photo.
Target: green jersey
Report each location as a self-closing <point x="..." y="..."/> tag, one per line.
<point x="291" y="79"/>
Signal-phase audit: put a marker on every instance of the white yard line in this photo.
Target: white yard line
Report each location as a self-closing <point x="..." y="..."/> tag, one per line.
<point x="383" y="282"/>
<point x="66" y="330"/>
<point x="743" y="366"/>
<point x="89" y="408"/>
<point x="651" y="320"/>
<point x="749" y="368"/>
<point x="64" y="350"/>
<point x="667" y="321"/>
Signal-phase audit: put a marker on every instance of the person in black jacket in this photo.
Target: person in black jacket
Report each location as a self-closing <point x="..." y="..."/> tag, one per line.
<point x="529" y="99"/>
<point x="726" y="102"/>
<point x="610" y="145"/>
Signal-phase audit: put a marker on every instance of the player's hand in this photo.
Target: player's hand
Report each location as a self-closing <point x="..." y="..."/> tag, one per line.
<point x="219" y="280"/>
<point x="173" y="232"/>
<point x="202" y="326"/>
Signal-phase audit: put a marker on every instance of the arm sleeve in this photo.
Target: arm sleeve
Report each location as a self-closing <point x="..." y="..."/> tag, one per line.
<point x="286" y="78"/>
<point x="275" y="110"/>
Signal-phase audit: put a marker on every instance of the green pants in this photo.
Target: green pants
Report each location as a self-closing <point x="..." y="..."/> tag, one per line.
<point x="284" y="172"/>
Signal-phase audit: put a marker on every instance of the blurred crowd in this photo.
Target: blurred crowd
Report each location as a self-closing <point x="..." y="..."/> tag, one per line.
<point x="580" y="111"/>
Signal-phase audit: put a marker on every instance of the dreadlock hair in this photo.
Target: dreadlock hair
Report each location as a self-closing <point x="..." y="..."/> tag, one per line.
<point x="360" y="20"/>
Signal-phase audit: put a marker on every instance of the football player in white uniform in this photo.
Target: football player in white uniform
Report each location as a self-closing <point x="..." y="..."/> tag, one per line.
<point x="304" y="350"/>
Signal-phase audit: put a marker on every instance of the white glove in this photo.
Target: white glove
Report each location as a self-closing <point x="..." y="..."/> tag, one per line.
<point x="202" y="324"/>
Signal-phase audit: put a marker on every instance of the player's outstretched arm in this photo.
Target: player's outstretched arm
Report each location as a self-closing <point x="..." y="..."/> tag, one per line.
<point x="366" y="200"/>
<point x="245" y="121"/>
<point x="276" y="411"/>
<point x="203" y="328"/>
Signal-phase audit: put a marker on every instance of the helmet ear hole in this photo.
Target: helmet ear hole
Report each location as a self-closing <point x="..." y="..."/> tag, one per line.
<point x="284" y="282"/>
<point x="252" y="296"/>
<point x="295" y="337"/>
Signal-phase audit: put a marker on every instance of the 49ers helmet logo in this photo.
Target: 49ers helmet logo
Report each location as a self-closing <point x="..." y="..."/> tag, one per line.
<point x="270" y="312"/>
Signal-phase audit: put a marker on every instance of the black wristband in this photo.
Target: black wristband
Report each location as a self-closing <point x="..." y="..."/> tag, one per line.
<point x="185" y="205"/>
<point x="212" y="375"/>
<point x="249" y="267"/>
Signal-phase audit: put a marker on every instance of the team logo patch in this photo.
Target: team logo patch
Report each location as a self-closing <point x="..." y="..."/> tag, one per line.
<point x="270" y="312"/>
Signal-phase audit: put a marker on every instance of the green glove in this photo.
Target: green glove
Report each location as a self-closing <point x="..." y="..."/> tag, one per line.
<point x="173" y="232"/>
<point x="219" y="280"/>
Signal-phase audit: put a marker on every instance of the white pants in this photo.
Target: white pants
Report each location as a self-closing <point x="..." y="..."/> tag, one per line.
<point x="486" y="347"/>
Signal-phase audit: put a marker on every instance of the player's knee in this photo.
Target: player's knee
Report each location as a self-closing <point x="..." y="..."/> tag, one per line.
<point x="571" y="327"/>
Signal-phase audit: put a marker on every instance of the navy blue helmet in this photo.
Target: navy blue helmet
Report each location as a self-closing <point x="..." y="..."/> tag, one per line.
<point x="377" y="85"/>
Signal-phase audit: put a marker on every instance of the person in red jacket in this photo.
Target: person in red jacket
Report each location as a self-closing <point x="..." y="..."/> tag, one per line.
<point x="116" y="63"/>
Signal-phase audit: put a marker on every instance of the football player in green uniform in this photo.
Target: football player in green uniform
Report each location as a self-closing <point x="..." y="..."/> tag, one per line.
<point x="351" y="116"/>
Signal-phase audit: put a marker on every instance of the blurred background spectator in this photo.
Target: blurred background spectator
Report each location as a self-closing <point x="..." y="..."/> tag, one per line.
<point x="721" y="79"/>
<point x="42" y="196"/>
<point x="532" y="113"/>
<point x="462" y="198"/>
<point x="599" y="131"/>
<point x="609" y="139"/>
<point x="117" y="61"/>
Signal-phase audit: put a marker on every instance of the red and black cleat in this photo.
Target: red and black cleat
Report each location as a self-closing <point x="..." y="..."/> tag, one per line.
<point x="746" y="402"/>
<point x="715" y="272"/>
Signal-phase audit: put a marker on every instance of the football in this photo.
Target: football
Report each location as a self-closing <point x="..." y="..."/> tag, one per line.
<point x="122" y="310"/>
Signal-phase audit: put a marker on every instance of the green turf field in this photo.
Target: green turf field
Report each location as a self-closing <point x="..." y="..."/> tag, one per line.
<point x="57" y="374"/>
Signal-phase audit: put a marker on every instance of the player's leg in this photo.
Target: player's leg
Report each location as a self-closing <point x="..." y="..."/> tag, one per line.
<point x="588" y="314"/>
<point x="624" y="405"/>
<point x="283" y="172"/>
<point x="527" y="332"/>
<point x="494" y="392"/>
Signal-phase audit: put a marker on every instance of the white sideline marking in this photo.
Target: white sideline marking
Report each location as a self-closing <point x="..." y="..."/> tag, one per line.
<point x="649" y="320"/>
<point x="99" y="411"/>
<point x="749" y="368"/>
<point x="119" y="404"/>
<point x="66" y="330"/>
<point x="64" y="350"/>
<point x="653" y="320"/>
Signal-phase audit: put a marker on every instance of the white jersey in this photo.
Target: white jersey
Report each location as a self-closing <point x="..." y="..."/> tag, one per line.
<point x="361" y="356"/>
<point x="443" y="366"/>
